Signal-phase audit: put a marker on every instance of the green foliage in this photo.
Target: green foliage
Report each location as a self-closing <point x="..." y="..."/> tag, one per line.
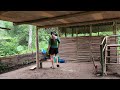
<point x="20" y="48"/>
<point x="8" y="48"/>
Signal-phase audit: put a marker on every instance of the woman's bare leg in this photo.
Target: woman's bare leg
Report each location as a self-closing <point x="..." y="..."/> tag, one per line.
<point x="57" y="61"/>
<point x="52" y="60"/>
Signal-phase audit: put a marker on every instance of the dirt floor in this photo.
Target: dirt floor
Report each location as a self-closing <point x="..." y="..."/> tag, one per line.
<point x="82" y="70"/>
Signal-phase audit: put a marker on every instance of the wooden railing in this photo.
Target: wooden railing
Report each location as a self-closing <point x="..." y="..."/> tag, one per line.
<point x="102" y="54"/>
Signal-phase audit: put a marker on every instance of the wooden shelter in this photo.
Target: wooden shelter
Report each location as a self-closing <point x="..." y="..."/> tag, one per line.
<point x="48" y="19"/>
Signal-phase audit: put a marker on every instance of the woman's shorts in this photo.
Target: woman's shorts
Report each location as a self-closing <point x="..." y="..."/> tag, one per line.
<point x="53" y="51"/>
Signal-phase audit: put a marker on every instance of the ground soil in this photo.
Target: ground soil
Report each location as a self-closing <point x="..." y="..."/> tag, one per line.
<point x="68" y="70"/>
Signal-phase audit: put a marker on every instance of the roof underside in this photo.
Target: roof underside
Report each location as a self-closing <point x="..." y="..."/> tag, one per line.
<point x="59" y="18"/>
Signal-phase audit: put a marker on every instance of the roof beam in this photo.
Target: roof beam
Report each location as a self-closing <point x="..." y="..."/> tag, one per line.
<point x="82" y="23"/>
<point x="2" y="12"/>
<point x="58" y="17"/>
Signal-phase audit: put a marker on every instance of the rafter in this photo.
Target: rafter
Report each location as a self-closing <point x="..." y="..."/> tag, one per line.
<point x="58" y="17"/>
<point x="82" y="23"/>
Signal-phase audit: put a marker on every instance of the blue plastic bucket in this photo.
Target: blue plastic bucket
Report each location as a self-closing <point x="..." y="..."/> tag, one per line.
<point x="61" y="61"/>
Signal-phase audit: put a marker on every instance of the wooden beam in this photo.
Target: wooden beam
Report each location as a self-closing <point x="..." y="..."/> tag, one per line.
<point x="58" y="17"/>
<point x="2" y="12"/>
<point x="37" y="49"/>
<point x="5" y="28"/>
<point x="82" y="23"/>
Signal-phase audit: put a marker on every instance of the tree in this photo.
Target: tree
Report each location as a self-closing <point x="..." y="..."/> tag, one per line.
<point x="30" y="37"/>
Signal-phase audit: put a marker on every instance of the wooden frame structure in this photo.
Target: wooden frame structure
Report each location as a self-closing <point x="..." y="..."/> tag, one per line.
<point x="47" y="19"/>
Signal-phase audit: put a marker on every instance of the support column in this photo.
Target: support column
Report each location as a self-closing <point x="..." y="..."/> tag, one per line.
<point x="72" y="32"/>
<point x="91" y="56"/>
<point x="98" y="31"/>
<point x="65" y="32"/>
<point x="90" y="30"/>
<point x="114" y="33"/>
<point x="114" y="28"/>
<point x="59" y="33"/>
<point x="37" y="49"/>
<point x="76" y="32"/>
<point x="77" y="43"/>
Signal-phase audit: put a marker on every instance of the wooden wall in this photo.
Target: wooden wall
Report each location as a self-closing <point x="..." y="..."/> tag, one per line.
<point x="80" y="48"/>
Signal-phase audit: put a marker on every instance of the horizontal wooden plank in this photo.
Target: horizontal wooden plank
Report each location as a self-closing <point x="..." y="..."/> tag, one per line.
<point x="83" y="54"/>
<point x="83" y="51"/>
<point x="114" y="63"/>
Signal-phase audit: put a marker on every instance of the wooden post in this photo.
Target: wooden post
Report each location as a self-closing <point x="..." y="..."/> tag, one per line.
<point x="76" y="32"/>
<point x="77" y="43"/>
<point x="114" y="28"/>
<point x="108" y="54"/>
<point x="90" y="30"/>
<point x="98" y="31"/>
<point x="90" y="43"/>
<point x="65" y="32"/>
<point x="37" y="49"/>
<point x="72" y="32"/>
<point x="114" y="33"/>
<point x="59" y="32"/>
<point x="102" y="59"/>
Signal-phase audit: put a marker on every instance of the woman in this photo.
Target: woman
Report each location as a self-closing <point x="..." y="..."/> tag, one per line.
<point x="53" y="47"/>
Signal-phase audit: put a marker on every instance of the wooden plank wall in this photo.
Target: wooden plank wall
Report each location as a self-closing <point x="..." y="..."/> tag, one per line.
<point x="95" y="47"/>
<point x="83" y="48"/>
<point x="68" y="49"/>
<point x="80" y="48"/>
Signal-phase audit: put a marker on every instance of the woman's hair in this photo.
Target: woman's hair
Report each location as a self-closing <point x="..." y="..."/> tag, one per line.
<point x="54" y="33"/>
